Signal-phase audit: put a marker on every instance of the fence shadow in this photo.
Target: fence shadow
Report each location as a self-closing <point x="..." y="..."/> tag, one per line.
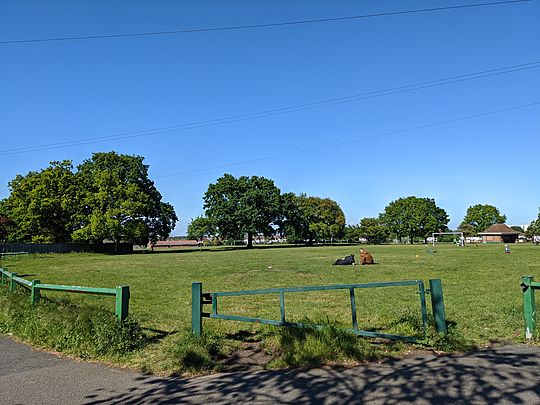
<point x="508" y="375"/>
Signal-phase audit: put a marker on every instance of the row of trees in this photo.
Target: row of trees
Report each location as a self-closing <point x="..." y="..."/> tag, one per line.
<point x="108" y="197"/>
<point x="235" y="207"/>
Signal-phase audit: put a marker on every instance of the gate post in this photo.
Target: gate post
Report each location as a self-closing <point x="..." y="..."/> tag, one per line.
<point x="122" y="302"/>
<point x="437" y="303"/>
<point x="529" y="307"/>
<point x="196" y="308"/>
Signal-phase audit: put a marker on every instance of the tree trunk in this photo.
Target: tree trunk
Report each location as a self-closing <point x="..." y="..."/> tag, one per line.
<point x="250" y="241"/>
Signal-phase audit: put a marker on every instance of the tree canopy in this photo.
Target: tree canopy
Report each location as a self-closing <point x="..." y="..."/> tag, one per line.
<point x="534" y="227"/>
<point x="480" y="217"/>
<point x="42" y="205"/>
<point x="109" y="197"/>
<point x="414" y="217"/>
<point x="244" y="205"/>
<point x="311" y="219"/>
<point x="200" y="227"/>
<point x="374" y="230"/>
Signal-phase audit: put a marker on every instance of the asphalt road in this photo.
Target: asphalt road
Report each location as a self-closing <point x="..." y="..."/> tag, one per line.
<point x="505" y="375"/>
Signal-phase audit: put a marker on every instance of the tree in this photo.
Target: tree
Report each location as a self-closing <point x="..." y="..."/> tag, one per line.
<point x="352" y="233"/>
<point x="244" y="205"/>
<point x="42" y="205"/>
<point x="534" y="228"/>
<point x="482" y="216"/>
<point x="120" y="202"/>
<point x="200" y="227"/>
<point x="373" y="230"/>
<point x="311" y="219"/>
<point x="414" y="217"/>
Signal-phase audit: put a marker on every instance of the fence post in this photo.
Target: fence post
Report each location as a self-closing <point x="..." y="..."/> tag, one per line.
<point x="35" y="294"/>
<point x="3" y="277"/>
<point x="529" y="307"/>
<point x="122" y="302"/>
<point x="437" y="304"/>
<point x="196" y="308"/>
<point x="12" y="283"/>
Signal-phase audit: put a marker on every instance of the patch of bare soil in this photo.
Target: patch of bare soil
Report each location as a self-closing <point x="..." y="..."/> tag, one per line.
<point x="251" y="357"/>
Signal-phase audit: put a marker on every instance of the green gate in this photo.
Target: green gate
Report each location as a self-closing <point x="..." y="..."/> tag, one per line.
<point x="200" y="298"/>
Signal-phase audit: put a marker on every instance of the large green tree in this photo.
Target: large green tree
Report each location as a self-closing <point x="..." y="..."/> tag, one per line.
<point x="414" y="217"/>
<point x="120" y="202"/>
<point x="482" y="216"/>
<point x="374" y="230"/>
<point x="312" y="219"/>
<point x="42" y="205"/>
<point x="243" y="206"/>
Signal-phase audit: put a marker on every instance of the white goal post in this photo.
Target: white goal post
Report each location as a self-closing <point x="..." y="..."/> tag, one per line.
<point x="462" y="238"/>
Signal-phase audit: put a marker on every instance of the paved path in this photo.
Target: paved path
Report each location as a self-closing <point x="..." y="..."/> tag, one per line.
<point x="508" y="374"/>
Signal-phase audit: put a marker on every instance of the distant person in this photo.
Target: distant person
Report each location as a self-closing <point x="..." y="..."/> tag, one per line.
<point x="365" y="257"/>
<point x="507" y="249"/>
<point x="347" y="260"/>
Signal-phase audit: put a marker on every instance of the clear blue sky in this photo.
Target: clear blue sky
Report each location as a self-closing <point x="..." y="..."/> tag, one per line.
<point x="54" y="92"/>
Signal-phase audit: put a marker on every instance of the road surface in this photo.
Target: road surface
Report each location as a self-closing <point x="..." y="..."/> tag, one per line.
<point x="509" y="374"/>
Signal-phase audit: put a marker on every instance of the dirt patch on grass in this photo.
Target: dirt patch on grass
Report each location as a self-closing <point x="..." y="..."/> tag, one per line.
<point x="250" y="357"/>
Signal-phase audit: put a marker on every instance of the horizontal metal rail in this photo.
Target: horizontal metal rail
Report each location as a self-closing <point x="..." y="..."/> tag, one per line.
<point x="314" y="288"/>
<point x="121" y="293"/>
<point x="76" y="289"/>
<point x="263" y="321"/>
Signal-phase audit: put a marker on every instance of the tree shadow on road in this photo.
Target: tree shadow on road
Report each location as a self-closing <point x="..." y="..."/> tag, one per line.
<point x="508" y="375"/>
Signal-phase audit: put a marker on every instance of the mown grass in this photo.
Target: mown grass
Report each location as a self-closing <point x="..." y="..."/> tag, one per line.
<point x="481" y="291"/>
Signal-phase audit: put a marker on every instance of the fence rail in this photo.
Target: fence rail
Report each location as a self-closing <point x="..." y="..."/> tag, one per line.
<point x="121" y="293"/>
<point x="529" y="305"/>
<point x="200" y="298"/>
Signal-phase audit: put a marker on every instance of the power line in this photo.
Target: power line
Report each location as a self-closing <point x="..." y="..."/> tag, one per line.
<point x="277" y="111"/>
<point x="351" y="141"/>
<point x="258" y="26"/>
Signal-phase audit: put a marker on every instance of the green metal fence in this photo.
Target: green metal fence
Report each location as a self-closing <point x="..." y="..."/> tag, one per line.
<point x="529" y="305"/>
<point x="121" y="293"/>
<point x="200" y="298"/>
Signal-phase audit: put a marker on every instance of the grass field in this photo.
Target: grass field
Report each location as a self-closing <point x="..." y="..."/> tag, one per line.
<point x="481" y="287"/>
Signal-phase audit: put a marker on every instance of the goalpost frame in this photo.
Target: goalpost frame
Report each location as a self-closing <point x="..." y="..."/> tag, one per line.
<point x="447" y="233"/>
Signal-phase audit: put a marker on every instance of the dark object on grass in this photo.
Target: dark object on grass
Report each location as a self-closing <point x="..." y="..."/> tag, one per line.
<point x="365" y="257"/>
<point x="347" y="260"/>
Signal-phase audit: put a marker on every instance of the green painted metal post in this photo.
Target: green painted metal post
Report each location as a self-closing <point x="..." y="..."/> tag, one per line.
<point x="529" y="307"/>
<point x="437" y="303"/>
<point x="423" y="308"/>
<point x="353" y="309"/>
<point x="35" y="295"/>
<point x="196" y="308"/>
<point x="282" y="307"/>
<point x="12" y="283"/>
<point x="122" y="302"/>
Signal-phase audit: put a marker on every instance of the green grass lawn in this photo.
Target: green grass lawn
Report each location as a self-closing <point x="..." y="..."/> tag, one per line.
<point x="481" y="286"/>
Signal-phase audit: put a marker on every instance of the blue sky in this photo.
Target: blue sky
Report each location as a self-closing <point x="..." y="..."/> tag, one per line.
<point x="53" y="92"/>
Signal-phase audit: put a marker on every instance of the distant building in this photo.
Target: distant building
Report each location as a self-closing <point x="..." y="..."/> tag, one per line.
<point x="499" y="233"/>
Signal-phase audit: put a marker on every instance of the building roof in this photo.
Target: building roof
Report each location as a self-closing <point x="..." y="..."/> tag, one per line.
<point x="499" y="229"/>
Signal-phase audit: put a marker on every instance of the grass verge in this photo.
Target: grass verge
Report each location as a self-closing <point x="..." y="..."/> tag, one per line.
<point x="84" y="331"/>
